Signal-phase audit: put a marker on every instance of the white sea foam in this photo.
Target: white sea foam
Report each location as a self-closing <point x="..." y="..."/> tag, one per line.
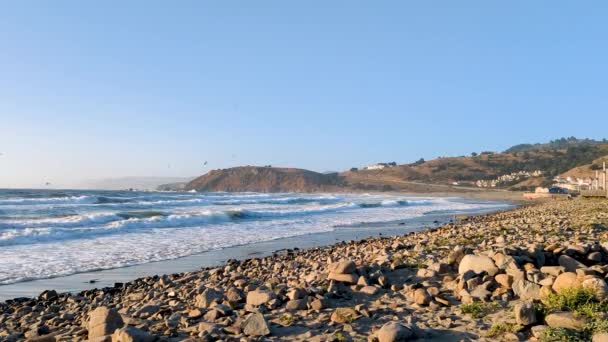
<point x="45" y="200"/>
<point x="46" y="237"/>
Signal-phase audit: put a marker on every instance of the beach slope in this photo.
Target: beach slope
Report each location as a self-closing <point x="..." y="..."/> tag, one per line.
<point x="509" y="275"/>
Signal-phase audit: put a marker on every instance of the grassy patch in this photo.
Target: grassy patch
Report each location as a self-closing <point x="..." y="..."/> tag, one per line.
<point x="479" y="309"/>
<point x="409" y="262"/>
<point x="339" y="337"/>
<point x="598" y="326"/>
<point x="287" y="319"/>
<point x="579" y="300"/>
<point x="582" y="302"/>
<point x="498" y="329"/>
<point x="562" y="335"/>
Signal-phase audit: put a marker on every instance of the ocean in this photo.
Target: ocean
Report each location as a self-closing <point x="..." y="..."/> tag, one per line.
<point x="52" y="233"/>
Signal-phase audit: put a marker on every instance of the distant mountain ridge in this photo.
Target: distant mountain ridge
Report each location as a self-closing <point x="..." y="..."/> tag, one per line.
<point x="536" y="165"/>
<point x="266" y="179"/>
<point x="555" y="144"/>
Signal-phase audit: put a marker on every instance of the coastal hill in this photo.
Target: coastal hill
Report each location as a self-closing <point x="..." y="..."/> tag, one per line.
<point x="266" y="179"/>
<point x="521" y="167"/>
<point x="587" y="170"/>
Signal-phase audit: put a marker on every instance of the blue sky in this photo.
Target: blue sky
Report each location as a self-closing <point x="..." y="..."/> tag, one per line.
<point x="154" y="88"/>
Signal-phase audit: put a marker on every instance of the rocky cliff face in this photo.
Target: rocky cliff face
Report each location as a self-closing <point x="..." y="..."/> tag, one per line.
<point x="266" y="179"/>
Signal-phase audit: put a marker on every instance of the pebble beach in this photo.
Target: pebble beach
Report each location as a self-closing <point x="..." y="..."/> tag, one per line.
<point x="535" y="273"/>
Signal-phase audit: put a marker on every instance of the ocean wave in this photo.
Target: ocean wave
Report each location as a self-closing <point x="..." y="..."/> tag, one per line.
<point x="46" y="200"/>
<point x="89" y="226"/>
<point x="63" y="221"/>
<point x="47" y="234"/>
<point x="395" y="203"/>
<point x="280" y="200"/>
<point x="107" y="200"/>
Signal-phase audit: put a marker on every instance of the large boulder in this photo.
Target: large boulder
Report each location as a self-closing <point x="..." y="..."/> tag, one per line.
<point x="504" y="280"/>
<point x="234" y="295"/>
<point x="394" y="332"/>
<point x="564" y="281"/>
<point x="259" y="297"/>
<point x="525" y="314"/>
<point x="598" y="285"/>
<point x="344" y="278"/>
<point x="208" y="298"/>
<point x="342" y="267"/>
<point x="569" y="263"/>
<point x="526" y="290"/>
<point x="477" y="264"/>
<point x="132" y="334"/>
<point x="255" y="325"/>
<point x="565" y="320"/>
<point x="296" y="304"/>
<point x="103" y="321"/>
<point x="48" y="295"/>
<point x="553" y="270"/>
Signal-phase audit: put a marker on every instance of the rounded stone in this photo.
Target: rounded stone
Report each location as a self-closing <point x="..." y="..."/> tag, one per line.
<point x="477" y="264"/>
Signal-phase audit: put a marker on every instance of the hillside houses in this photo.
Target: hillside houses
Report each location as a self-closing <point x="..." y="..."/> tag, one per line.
<point x="509" y="178"/>
<point x="379" y="166"/>
<point x="579" y="184"/>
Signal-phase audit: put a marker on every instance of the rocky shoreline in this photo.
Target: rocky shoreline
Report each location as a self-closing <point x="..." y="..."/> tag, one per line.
<point x="532" y="273"/>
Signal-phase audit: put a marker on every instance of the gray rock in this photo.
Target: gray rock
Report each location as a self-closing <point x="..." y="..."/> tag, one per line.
<point x="210" y="328"/>
<point x="255" y="325"/>
<point x="147" y="311"/>
<point x="477" y="264"/>
<point x="296" y="293"/>
<point x="598" y="285"/>
<point x="208" y="298"/>
<point x="526" y="290"/>
<point x="132" y="334"/>
<point x="317" y="304"/>
<point x="553" y="270"/>
<point x="480" y="293"/>
<point x="345" y="278"/>
<point x="342" y="267"/>
<point x="48" y="295"/>
<point x="370" y="290"/>
<point x="456" y="255"/>
<point x="103" y="321"/>
<point x="394" y="332"/>
<point x="234" y="295"/>
<point x="296" y="304"/>
<point x="525" y="313"/>
<point x="259" y="297"/>
<point x="538" y="330"/>
<point x="422" y="297"/>
<point x="565" y="320"/>
<point x="570" y="264"/>
<point x="595" y="256"/>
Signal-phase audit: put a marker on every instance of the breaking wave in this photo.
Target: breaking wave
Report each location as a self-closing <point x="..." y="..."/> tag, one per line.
<point x="46" y="234"/>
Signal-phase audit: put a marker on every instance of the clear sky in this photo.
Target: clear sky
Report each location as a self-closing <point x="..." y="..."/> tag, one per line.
<point x="155" y="88"/>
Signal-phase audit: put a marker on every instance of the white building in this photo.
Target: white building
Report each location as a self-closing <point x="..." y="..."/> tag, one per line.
<point x="375" y="167"/>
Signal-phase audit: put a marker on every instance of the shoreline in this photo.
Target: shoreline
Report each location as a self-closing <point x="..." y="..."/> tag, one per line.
<point x="489" y="277"/>
<point x="108" y="277"/>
